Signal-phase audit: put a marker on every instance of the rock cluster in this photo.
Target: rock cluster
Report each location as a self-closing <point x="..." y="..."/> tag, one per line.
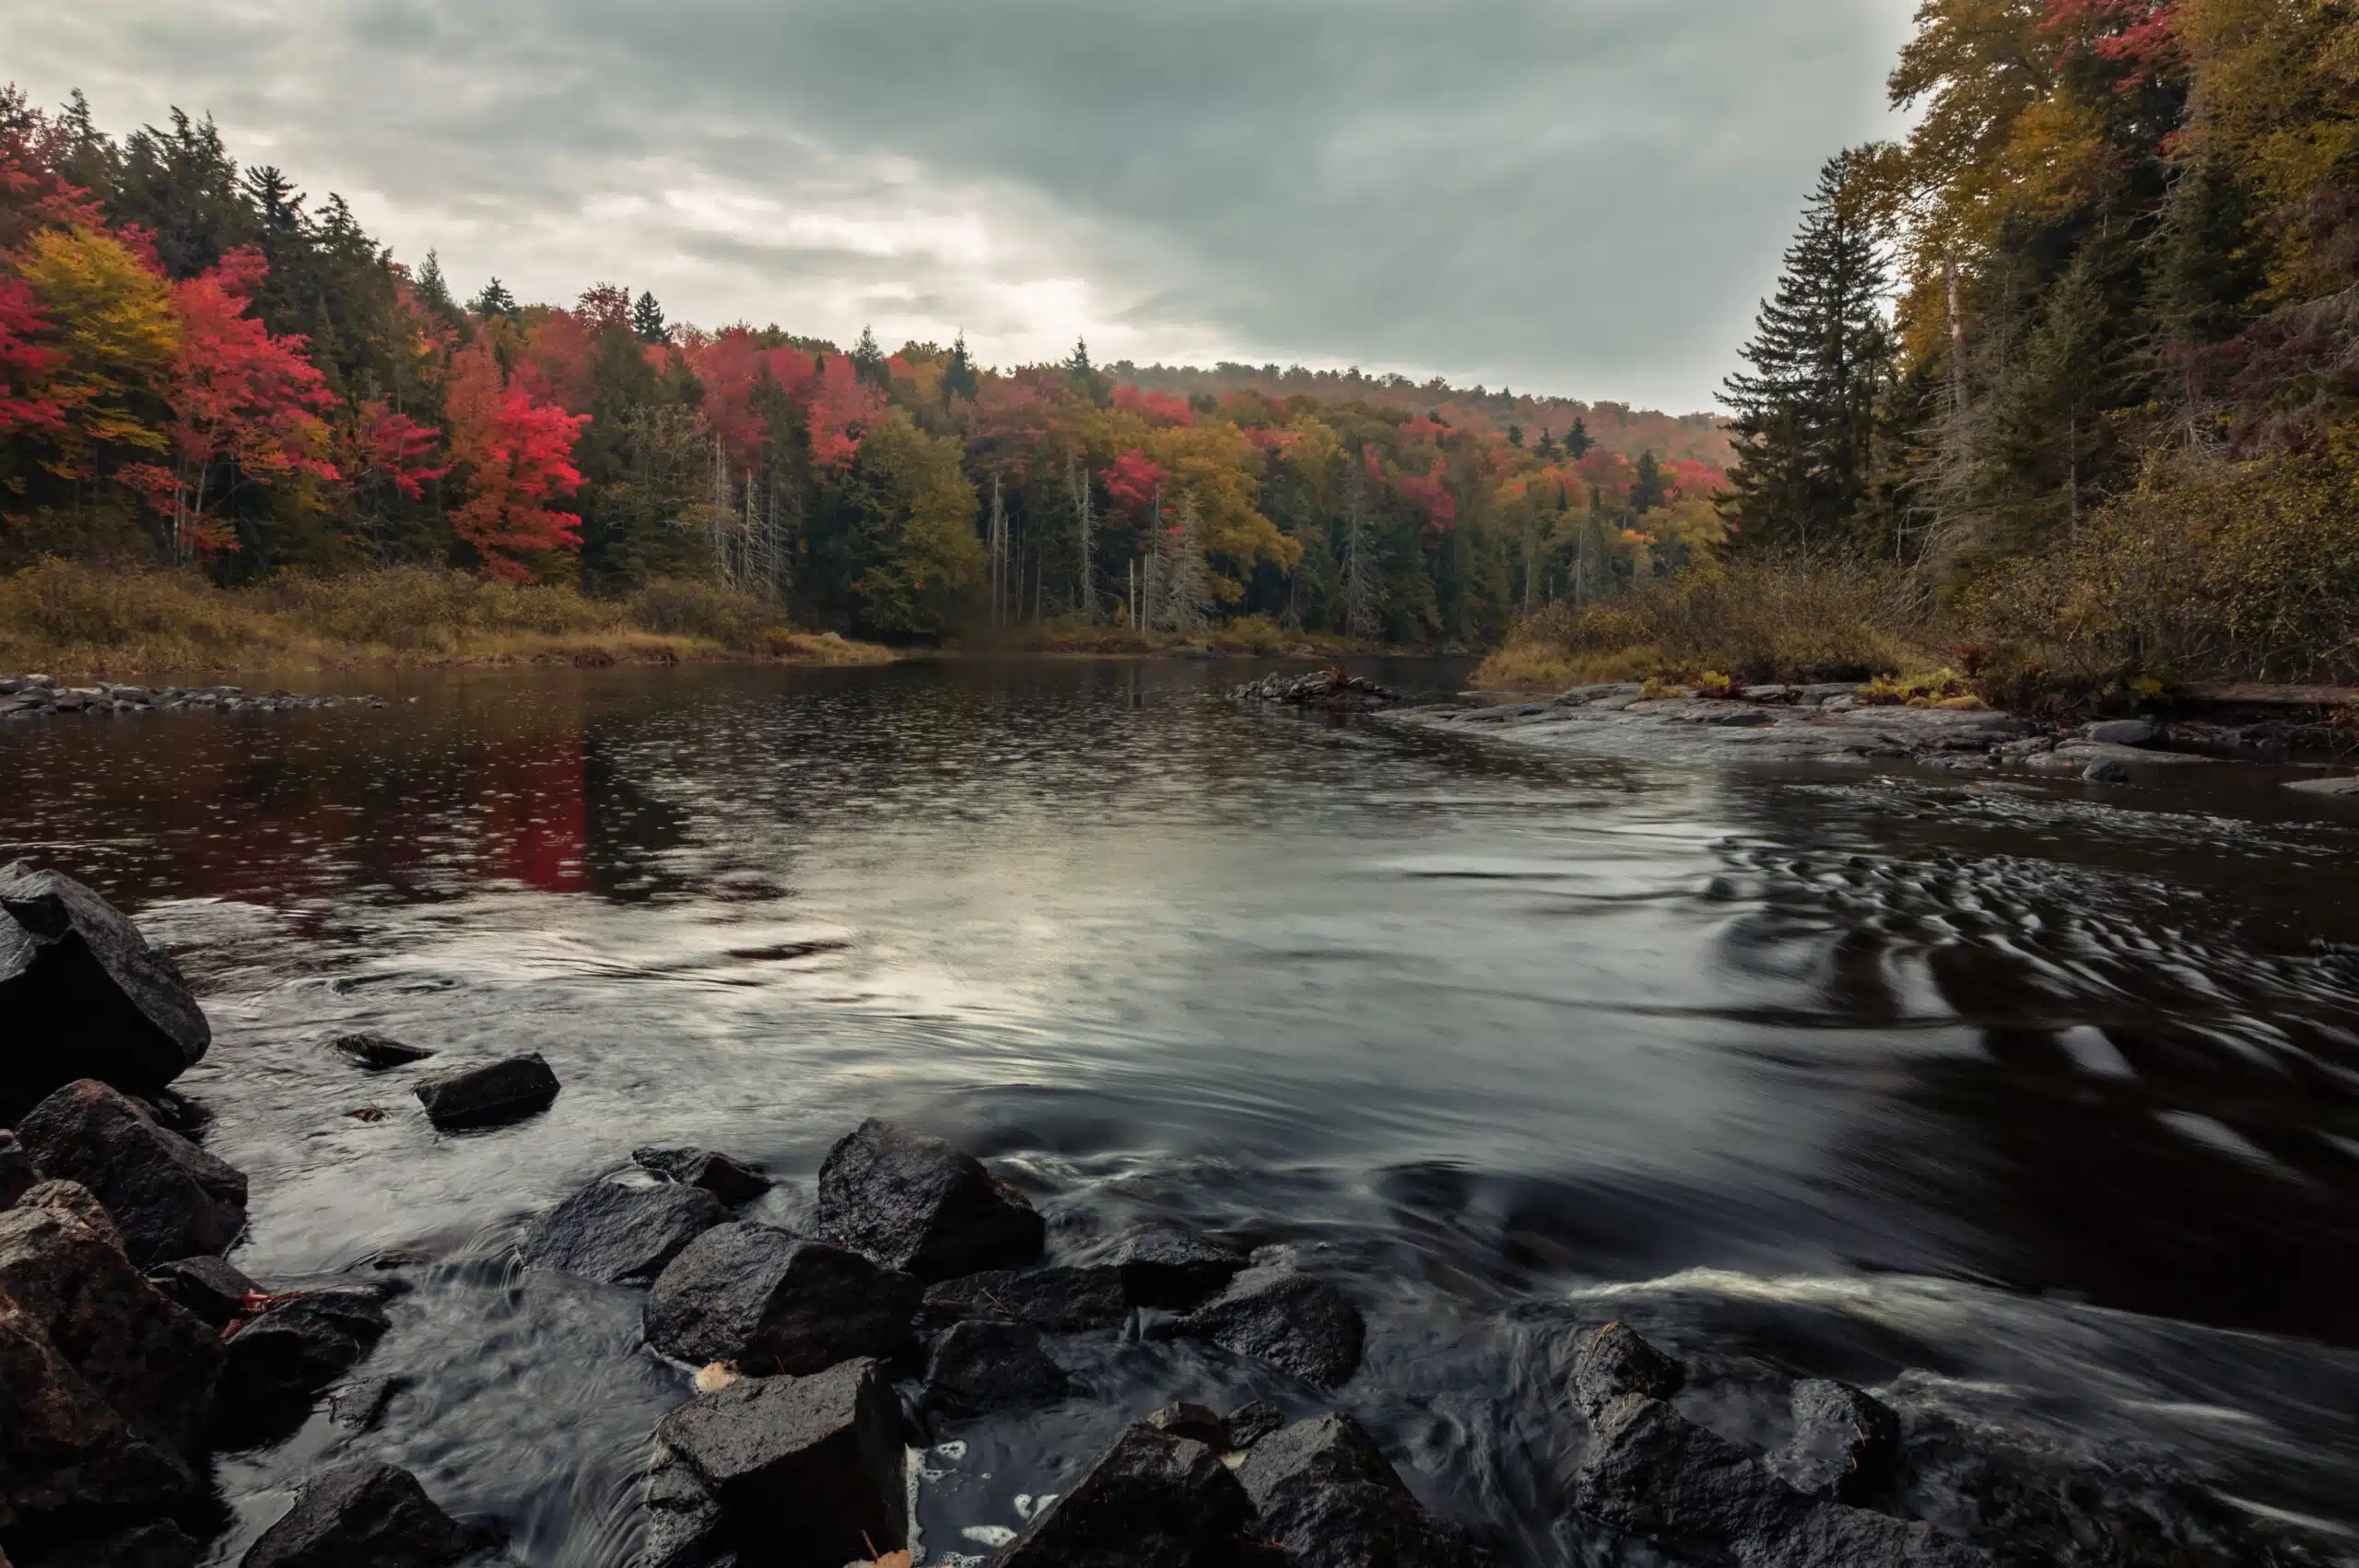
<point x="1336" y="691"/>
<point x="27" y="696"/>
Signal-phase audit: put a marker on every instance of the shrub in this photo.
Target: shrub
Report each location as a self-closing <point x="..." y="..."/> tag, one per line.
<point x="694" y="607"/>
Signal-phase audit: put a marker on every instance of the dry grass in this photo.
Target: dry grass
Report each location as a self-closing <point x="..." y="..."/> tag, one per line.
<point x="63" y="617"/>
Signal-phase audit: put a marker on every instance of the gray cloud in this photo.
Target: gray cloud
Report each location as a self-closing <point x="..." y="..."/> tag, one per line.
<point x="1584" y="196"/>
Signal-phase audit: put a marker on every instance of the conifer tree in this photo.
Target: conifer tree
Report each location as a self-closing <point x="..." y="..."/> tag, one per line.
<point x="494" y="301"/>
<point x="959" y="378"/>
<point x="647" y="319"/>
<point x="1578" y="440"/>
<point x="867" y="359"/>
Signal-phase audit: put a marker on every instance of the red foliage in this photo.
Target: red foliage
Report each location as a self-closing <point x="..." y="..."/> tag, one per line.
<point x="1422" y="428"/>
<point x="1692" y="477"/>
<point x="519" y="454"/>
<point x="381" y="444"/>
<point x="1272" y="443"/>
<point x="2140" y="35"/>
<point x="33" y="194"/>
<point x="1157" y="408"/>
<point x="840" y="408"/>
<point x="556" y="365"/>
<point x="731" y="367"/>
<point x="1133" y="479"/>
<point x="1429" y="493"/>
<point x="21" y="361"/>
<point x="606" y="307"/>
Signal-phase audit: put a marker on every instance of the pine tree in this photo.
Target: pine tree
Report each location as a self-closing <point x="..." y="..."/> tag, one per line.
<point x="1545" y="448"/>
<point x="867" y="359"/>
<point x="1820" y="355"/>
<point x="433" y="289"/>
<point x="958" y="378"/>
<point x="494" y="301"/>
<point x="1649" y="491"/>
<point x="647" y="319"/>
<point x="1578" y="440"/>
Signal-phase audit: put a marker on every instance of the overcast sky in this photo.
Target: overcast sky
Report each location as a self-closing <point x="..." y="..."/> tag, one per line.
<point x="1578" y="196"/>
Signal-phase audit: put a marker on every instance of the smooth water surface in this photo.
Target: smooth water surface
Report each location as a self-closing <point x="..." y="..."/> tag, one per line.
<point x="2032" y="1103"/>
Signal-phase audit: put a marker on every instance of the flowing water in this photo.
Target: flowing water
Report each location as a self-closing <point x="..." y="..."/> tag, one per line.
<point x="2034" y="1106"/>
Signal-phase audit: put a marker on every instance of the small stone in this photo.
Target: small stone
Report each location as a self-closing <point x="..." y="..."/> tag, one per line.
<point x="614" y="1232"/>
<point x="776" y="1303"/>
<point x="1193" y="1422"/>
<point x="1614" y="1360"/>
<point x="489" y="1096"/>
<point x="725" y="1178"/>
<point x="1846" y="1442"/>
<point x="978" y="1368"/>
<point x="1151" y="1500"/>
<point x="169" y="1198"/>
<point x="1294" y="1321"/>
<point x="2106" y="770"/>
<point x="363" y="1515"/>
<point x="378" y="1053"/>
<point x="210" y="1288"/>
<point x="911" y="1201"/>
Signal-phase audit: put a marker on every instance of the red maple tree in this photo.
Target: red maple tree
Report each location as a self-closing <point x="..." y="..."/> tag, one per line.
<point x="22" y="361"/>
<point x="519" y="456"/>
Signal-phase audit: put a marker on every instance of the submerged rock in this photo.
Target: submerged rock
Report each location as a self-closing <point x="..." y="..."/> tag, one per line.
<point x="82" y="996"/>
<point x="1614" y="1360"/>
<point x="281" y="1359"/>
<point x="1167" y="1265"/>
<point x="775" y="1303"/>
<point x="978" y="1368"/>
<point x="717" y="1174"/>
<point x="1328" y="1496"/>
<point x="169" y="1199"/>
<point x="489" y="1096"/>
<point x="796" y="1472"/>
<point x="1150" y="1500"/>
<point x="378" y="1053"/>
<point x="1844" y="1446"/>
<point x="364" y="1515"/>
<point x="614" y="1232"/>
<point x="1294" y="1321"/>
<point x="1060" y="1300"/>
<point x="207" y="1287"/>
<point x="911" y="1201"/>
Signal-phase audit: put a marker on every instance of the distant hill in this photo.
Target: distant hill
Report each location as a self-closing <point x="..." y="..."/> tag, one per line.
<point x="1617" y="427"/>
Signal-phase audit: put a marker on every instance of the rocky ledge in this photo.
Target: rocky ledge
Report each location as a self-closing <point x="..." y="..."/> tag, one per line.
<point x="1334" y="691"/>
<point x="34" y="697"/>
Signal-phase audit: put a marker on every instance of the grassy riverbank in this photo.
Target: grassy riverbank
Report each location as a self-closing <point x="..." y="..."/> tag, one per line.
<point x="73" y="619"/>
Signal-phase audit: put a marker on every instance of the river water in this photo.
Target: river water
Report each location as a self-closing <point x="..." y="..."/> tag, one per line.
<point x="2032" y="1105"/>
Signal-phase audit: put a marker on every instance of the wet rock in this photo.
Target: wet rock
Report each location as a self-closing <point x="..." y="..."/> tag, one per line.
<point x="1328" y="1496"/>
<point x="359" y="1405"/>
<point x="1844" y="1446"/>
<point x="2346" y="785"/>
<point x="169" y="1198"/>
<point x="2125" y="732"/>
<point x="1652" y="1473"/>
<point x="1334" y="690"/>
<point x="1294" y="1321"/>
<point x="490" y="1095"/>
<point x="2106" y="770"/>
<point x="717" y="1174"/>
<point x="206" y="1287"/>
<point x="157" y="1544"/>
<point x="1150" y="1500"/>
<point x="824" y="1452"/>
<point x="280" y="1360"/>
<point x="776" y="1303"/>
<point x="1195" y="1422"/>
<point x="685" y="1527"/>
<point x="1060" y="1300"/>
<point x="611" y="1232"/>
<point x="911" y="1201"/>
<point x="1614" y="1360"/>
<point x="84" y="996"/>
<point x="364" y="1515"/>
<point x="980" y="1367"/>
<point x="1248" y="1424"/>
<point x="1167" y="1266"/>
<point x="378" y="1053"/>
<point x="18" y="1175"/>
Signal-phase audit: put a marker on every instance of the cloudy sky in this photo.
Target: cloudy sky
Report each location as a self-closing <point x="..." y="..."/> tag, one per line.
<point x="1579" y="196"/>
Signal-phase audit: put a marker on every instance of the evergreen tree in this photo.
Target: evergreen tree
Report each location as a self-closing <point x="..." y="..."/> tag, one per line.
<point x="647" y="319"/>
<point x="494" y="301"/>
<point x="1820" y="356"/>
<point x="1647" y="490"/>
<point x="1578" y="440"/>
<point x="1088" y="380"/>
<point x="1545" y="448"/>
<point x="868" y="360"/>
<point x="959" y="378"/>
<point x="432" y="289"/>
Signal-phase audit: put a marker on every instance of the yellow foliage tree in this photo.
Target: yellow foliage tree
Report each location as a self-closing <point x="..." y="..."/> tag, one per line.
<point x="111" y="320"/>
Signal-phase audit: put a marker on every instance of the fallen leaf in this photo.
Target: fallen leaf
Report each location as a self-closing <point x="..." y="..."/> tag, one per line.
<point x="712" y="1379"/>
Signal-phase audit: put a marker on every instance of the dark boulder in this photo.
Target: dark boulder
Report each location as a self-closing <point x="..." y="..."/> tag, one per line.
<point x="2106" y="770"/>
<point x="685" y="1527"/>
<point x="490" y="1095"/>
<point x="1058" y="1300"/>
<point x="725" y="1178"/>
<point x="84" y="996"/>
<point x="1167" y="1266"/>
<point x="1150" y="1500"/>
<point x="18" y="1174"/>
<point x="1652" y="1473"/>
<point x="378" y="1053"/>
<point x="1294" y="1321"/>
<point x="280" y="1360"/>
<point x="364" y="1515"/>
<point x="1614" y="1360"/>
<point x="979" y="1367"/>
<point x="614" y="1232"/>
<point x="359" y="1405"/>
<point x="1846" y="1442"/>
<point x="775" y="1303"/>
<point x="1248" y="1424"/>
<point x="205" y="1287"/>
<point x="1328" y="1496"/>
<point x="911" y="1201"/>
<point x="2126" y="732"/>
<point x="169" y="1199"/>
<point x="157" y="1544"/>
<point x="1195" y="1422"/>
<point x="823" y="1452"/>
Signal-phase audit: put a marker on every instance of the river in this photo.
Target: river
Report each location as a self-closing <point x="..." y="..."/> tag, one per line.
<point x="2029" y="1103"/>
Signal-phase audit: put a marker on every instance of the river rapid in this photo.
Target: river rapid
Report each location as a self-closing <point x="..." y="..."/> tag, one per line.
<point x="2032" y="1105"/>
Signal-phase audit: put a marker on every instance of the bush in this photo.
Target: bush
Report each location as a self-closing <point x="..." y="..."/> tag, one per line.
<point x="87" y="611"/>
<point x="419" y="609"/>
<point x="693" y="607"/>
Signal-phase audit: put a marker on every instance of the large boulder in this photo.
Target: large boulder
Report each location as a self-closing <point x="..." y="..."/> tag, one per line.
<point x="824" y="1452"/>
<point x="1060" y="1300"/>
<point x="978" y="1368"/>
<point x="611" y="1232"/>
<point x="364" y="1515"/>
<point x="776" y="1303"/>
<point x="280" y="1361"/>
<point x="729" y="1180"/>
<point x="169" y="1199"/>
<point x="104" y="1384"/>
<point x="1846" y="1443"/>
<point x="1614" y="1360"/>
<point x="18" y="1174"/>
<point x="1151" y="1500"/>
<point x="1294" y="1321"/>
<point x="492" y="1094"/>
<point x="82" y="994"/>
<point x="911" y="1201"/>
<point x="208" y="1287"/>
<point x="1167" y="1265"/>
<point x="1328" y="1496"/>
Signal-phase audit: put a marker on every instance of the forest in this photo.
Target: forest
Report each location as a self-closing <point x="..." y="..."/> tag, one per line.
<point x="2061" y="389"/>
<point x="204" y="369"/>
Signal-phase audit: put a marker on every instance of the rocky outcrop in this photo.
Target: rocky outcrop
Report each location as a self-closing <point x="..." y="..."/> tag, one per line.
<point x="364" y="1515"/>
<point x="1846" y="1442"/>
<point x="1332" y="691"/>
<point x="169" y="1199"/>
<point x="1058" y="1300"/>
<point x="1294" y="1321"/>
<point x="1166" y="1265"/>
<point x="1151" y="1500"/>
<point x="378" y="1053"/>
<point x="776" y="1303"/>
<point x="490" y="1095"/>
<point x="84" y="996"/>
<point x="280" y="1361"/>
<point x="727" y="1180"/>
<point x="782" y="1472"/>
<point x="36" y="697"/>
<point x="1328" y="1496"/>
<point x="978" y="1368"/>
<point x="911" y="1201"/>
<point x="1614" y="1360"/>
<point x="614" y="1232"/>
